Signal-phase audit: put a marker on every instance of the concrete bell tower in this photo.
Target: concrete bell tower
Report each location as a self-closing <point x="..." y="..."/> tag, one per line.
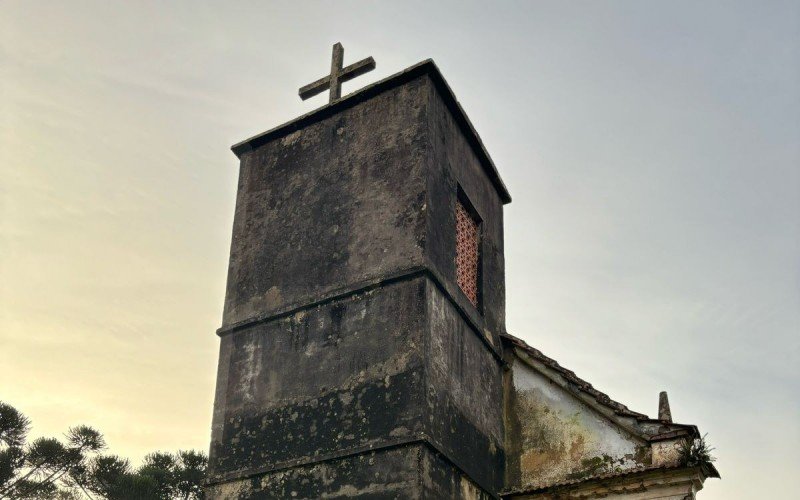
<point x="360" y="344"/>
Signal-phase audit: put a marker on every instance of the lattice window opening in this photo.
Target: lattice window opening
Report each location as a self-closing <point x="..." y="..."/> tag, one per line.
<point x="467" y="253"/>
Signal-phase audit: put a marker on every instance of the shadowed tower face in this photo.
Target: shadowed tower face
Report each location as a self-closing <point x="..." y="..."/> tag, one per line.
<point x="360" y="352"/>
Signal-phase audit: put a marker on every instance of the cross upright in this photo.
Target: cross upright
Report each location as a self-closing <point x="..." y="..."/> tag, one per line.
<point x="337" y="76"/>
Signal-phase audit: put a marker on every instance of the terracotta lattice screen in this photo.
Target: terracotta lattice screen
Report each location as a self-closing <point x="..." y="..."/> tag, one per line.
<point x="467" y="248"/>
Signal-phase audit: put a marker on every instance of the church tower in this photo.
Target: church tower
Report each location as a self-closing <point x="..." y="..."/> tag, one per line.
<point x="361" y="352"/>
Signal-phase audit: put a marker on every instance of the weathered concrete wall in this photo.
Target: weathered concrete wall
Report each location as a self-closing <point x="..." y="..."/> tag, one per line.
<point x="406" y="472"/>
<point x="667" y="452"/>
<point x="338" y="377"/>
<point x="453" y="164"/>
<point x="391" y="473"/>
<point x="334" y="204"/>
<point x="389" y="365"/>
<point x="441" y="479"/>
<point x="559" y="438"/>
<point x="464" y="393"/>
<point x="464" y="378"/>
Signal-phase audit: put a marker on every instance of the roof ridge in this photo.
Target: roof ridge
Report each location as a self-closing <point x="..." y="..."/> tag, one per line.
<point x="573" y="379"/>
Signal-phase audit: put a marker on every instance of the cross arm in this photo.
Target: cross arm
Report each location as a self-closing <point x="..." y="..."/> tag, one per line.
<point x="316" y="87"/>
<point x="357" y="69"/>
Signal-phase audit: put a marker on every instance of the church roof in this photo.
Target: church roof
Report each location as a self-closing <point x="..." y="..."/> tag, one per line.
<point x="638" y="425"/>
<point x="427" y="67"/>
<point x="577" y="384"/>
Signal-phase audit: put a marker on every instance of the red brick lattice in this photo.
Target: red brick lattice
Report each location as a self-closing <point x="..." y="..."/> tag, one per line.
<point x="467" y="239"/>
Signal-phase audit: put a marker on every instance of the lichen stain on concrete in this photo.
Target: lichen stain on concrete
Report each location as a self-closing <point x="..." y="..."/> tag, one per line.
<point x="252" y="360"/>
<point x="349" y="491"/>
<point x="273" y="297"/>
<point x="291" y="138"/>
<point x="468" y="490"/>
<point x="562" y="438"/>
<point x="233" y="489"/>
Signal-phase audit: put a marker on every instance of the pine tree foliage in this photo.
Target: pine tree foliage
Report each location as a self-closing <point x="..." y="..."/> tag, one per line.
<point x="75" y="469"/>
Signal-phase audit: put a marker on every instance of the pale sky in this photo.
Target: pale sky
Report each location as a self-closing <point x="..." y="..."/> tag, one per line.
<point x="652" y="150"/>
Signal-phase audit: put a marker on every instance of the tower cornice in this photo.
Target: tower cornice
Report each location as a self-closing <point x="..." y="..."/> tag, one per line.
<point x="427" y="67"/>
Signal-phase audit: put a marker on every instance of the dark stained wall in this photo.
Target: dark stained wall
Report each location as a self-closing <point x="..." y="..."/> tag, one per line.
<point x="407" y="472"/>
<point x="332" y="205"/>
<point x="339" y="377"/>
<point x="464" y="393"/>
<point x="453" y="163"/>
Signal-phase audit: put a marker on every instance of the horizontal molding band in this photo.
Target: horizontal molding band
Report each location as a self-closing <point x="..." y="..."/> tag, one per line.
<point x="338" y="455"/>
<point x="363" y="287"/>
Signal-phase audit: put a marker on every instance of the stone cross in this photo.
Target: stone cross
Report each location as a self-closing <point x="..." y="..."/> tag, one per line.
<point x="337" y="76"/>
